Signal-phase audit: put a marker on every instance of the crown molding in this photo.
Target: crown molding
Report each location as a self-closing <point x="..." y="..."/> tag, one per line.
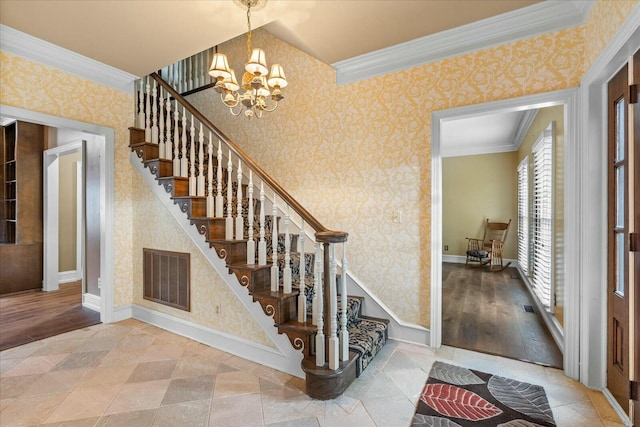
<point x="523" y="127"/>
<point x="32" y="48"/>
<point x="540" y="18"/>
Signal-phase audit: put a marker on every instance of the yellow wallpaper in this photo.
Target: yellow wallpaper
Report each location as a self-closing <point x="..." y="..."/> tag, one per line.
<point x="475" y="188"/>
<point x="604" y="20"/>
<point x="36" y="87"/>
<point x="354" y="154"/>
<point x="208" y="290"/>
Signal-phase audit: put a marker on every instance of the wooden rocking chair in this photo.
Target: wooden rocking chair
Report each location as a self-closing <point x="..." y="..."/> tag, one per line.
<point x="488" y="250"/>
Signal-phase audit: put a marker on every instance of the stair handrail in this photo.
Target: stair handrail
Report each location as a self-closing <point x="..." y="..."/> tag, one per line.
<point x="322" y="234"/>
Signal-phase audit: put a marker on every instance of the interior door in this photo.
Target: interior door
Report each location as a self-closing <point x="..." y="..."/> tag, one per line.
<point x="635" y="255"/>
<point x="618" y="332"/>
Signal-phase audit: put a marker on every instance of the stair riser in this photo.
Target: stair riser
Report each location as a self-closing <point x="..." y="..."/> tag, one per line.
<point x="210" y="228"/>
<point x="254" y="281"/>
<point x="233" y="252"/>
<point x="281" y="310"/>
<point x="160" y="168"/>
<point x="193" y="207"/>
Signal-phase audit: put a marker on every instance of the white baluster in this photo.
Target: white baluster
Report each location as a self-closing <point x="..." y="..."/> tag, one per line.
<point x="184" y="163"/>
<point x="161" y="143"/>
<point x="154" y="113"/>
<point x="262" y="243"/>
<point x="167" y="147"/>
<point x="147" y="113"/>
<point x="239" y="217"/>
<point x="344" y="333"/>
<point x="317" y="311"/>
<point x="210" y="206"/>
<point x="251" y="243"/>
<point x="200" y="180"/>
<point x="275" y="274"/>
<point x="286" y="271"/>
<point x="176" y="140"/>
<point x="229" y="221"/>
<point x="302" y="299"/>
<point x="316" y="301"/>
<point x="140" y="118"/>
<point x="334" y="345"/>
<point x="219" y="198"/>
<point x="193" y="182"/>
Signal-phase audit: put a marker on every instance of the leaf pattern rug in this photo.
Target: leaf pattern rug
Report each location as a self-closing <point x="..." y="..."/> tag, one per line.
<point x="459" y="397"/>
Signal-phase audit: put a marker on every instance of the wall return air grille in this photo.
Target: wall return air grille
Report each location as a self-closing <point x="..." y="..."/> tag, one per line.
<point x="166" y="278"/>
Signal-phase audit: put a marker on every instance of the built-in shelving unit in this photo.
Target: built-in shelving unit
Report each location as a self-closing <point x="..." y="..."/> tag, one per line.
<point x="21" y="230"/>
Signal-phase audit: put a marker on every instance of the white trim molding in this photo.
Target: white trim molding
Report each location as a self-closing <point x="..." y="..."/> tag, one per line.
<point x="237" y="346"/>
<point x="69" y="276"/>
<point x="540" y="18"/>
<point x="35" y="49"/>
<point x="91" y="302"/>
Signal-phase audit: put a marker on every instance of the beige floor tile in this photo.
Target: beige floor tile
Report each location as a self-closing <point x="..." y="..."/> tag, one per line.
<point x="194" y="365"/>
<point x="149" y="371"/>
<point x="234" y="383"/>
<point x="4" y="403"/>
<point x="119" y="357"/>
<point x="162" y="352"/>
<point x="136" y="340"/>
<point x="35" y="365"/>
<point x="297" y="422"/>
<point x="107" y="375"/>
<point x="84" y="359"/>
<point x="84" y="403"/>
<point x="11" y="387"/>
<point x="192" y="414"/>
<point x="237" y="411"/>
<point x="6" y="364"/>
<point x="189" y="389"/>
<point x="68" y="345"/>
<point x="33" y="410"/>
<point x="358" y="417"/>
<point x="143" y="418"/>
<point x="85" y="422"/>
<point x="55" y="381"/>
<point x="22" y="351"/>
<point x="138" y="396"/>
<point x="602" y="407"/>
<point x="390" y="411"/>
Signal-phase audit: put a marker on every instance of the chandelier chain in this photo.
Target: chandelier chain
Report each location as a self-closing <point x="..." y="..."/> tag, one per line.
<point x="249" y="27"/>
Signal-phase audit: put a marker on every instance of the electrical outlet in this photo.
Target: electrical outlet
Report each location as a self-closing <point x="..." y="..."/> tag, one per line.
<point x="99" y="283"/>
<point x="446" y="248"/>
<point x="396" y="217"/>
<point x="217" y="309"/>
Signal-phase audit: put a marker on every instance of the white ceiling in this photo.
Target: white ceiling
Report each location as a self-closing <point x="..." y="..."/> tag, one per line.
<point x="142" y="36"/>
<point x="490" y="133"/>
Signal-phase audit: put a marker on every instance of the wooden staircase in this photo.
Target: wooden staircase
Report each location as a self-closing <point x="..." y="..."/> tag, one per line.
<point x="368" y="334"/>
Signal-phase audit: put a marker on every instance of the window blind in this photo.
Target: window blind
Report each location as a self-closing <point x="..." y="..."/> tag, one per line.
<point x="523" y="215"/>
<point x="543" y="217"/>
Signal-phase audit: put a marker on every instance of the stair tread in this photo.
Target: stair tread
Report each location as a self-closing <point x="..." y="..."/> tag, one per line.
<point x="225" y="241"/>
<point x="190" y="197"/>
<point x="252" y="267"/>
<point x="202" y="218"/>
<point x="175" y="178"/>
<point x="276" y="295"/>
<point x="308" y="328"/>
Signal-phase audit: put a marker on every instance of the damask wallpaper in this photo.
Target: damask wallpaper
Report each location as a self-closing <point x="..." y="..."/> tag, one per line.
<point x="353" y="155"/>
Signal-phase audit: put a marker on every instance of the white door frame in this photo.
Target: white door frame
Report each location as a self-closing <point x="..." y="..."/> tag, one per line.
<point x="107" y="182"/>
<point x="567" y="97"/>
<point x="51" y="193"/>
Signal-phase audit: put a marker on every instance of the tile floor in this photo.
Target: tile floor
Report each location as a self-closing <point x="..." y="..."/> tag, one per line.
<point x="133" y="374"/>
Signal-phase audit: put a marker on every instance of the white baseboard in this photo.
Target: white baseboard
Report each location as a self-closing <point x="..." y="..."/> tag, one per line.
<point x="616" y="407"/>
<point x="92" y="302"/>
<point x="461" y="259"/>
<point x="122" y="313"/>
<point x="454" y="259"/>
<point x="240" y="347"/>
<point x="398" y="329"/>
<point x="69" y="276"/>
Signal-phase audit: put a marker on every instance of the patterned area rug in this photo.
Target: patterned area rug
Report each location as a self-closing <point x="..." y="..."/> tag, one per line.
<point x="458" y="397"/>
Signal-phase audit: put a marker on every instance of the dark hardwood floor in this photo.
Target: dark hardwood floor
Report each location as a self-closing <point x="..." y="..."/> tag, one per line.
<point x="484" y="311"/>
<point x="32" y="316"/>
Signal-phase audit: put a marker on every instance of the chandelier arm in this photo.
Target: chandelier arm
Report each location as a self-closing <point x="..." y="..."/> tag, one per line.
<point x="236" y="98"/>
<point x="233" y="113"/>
<point x="269" y="110"/>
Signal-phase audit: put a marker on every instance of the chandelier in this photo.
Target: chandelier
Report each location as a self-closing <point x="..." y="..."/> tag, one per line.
<point x="258" y="85"/>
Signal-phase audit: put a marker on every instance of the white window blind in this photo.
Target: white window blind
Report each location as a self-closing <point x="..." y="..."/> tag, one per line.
<point x="543" y="217"/>
<point x="523" y="215"/>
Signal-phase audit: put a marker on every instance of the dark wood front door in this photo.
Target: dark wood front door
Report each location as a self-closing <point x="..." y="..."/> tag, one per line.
<point x="636" y="225"/>
<point x="618" y="365"/>
<point x="623" y="221"/>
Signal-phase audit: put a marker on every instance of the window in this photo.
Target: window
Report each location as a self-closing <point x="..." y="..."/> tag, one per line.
<point x="542" y="213"/>
<point x="523" y="215"/>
